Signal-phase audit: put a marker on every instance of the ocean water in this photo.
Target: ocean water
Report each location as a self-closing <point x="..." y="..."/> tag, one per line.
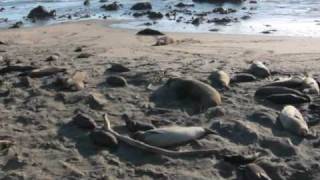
<point x="282" y="17"/>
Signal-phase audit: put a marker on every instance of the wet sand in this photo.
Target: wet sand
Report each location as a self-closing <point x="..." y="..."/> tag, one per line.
<point x="36" y="115"/>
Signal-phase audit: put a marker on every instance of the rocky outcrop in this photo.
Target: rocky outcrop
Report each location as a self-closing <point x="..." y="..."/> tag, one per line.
<point x="40" y="13"/>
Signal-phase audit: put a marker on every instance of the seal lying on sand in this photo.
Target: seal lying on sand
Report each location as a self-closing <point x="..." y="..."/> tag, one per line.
<point x="258" y="69"/>
<point x="306" y="84"/>
<point x="293" y="121"/>
<point x="196" y="90"/>
<point x="288" y="99"/>
<point x="172" y="136"/>
<point x="282" y="95"/>
<point x="220" y="79"/>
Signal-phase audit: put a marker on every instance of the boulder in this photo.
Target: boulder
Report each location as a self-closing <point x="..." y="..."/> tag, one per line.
<point x="142" y="6"/>
<point x="41" y="13"/>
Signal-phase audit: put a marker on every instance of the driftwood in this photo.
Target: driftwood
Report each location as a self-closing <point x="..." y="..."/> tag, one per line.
<point x="161" y="151"/>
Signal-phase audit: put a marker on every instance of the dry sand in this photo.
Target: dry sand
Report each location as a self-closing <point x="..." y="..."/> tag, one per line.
<point x="36" y="117"/>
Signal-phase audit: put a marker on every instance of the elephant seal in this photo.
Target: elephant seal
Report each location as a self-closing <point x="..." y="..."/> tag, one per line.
<point x="305" y="84"/>
<point x="265" y="91"/>
<point x="293" y="121"/>
<point x="220" y="79"/>
<point x="172" y="136"/>
<point x="197" y="91"/>
<point x="258" y="69"/>
<point x="243" y="77"/>
<point x="288" y="99"/>
<point x="310" y="85"/>
<point x="294" y="83"/>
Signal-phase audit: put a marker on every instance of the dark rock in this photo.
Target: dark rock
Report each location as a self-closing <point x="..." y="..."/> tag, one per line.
<point x="26" y="81"/>
<point x="134" y="126"/>
<point x="279" y="146"/>
<point x="139" y="14"/>
<point x="17" y="25"/>
<point x="150" y="32"/>
<point x="222" y="21"/>
<point x="214" y="30"/>
<point x="142" y="6"/>
<point x="118" y="68"/>
<point x="104" y="139"/>
<point x="84" y="122"/>
<point x="243" y="77"/>
<point x="196" y="21"/>
<point x="155" y="15"/>
<point x="239" y="159"/>
<point x="111" y="7"/>
<point x="218" y="1"/>
<point x="52" y="58"/>
<point x="96" y="101"/>
<point x="117" y="81"/>
<point x="41" y="13"/>
<point x="86" y="2"/>
<point x="14" y="163"/>
<point x="221" y="10"/>
<point x="78" y="49"/>
<point x="84" y="55"/>
<point x="245" y="17"/>
<point x="183" y="5"/>
<point x="4" y="92"/>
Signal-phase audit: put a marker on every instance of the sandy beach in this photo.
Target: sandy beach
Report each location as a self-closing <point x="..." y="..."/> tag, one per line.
<point x="36" y="115"/>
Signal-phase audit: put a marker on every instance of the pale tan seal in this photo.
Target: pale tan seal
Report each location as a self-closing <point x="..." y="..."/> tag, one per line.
<point x="293" y="121"/>
<point x="220" y="78"/>
<point x="199" y="92"/>
<point x="76" y="82"/>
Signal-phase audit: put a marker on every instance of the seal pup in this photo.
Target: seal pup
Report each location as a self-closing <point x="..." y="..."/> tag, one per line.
<point x="172" y="136"/>
<point x="197" y="91"/>
<point x="258" y="69"/>
<point x="293" y="121"/>
<point x="220" y="79"/>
